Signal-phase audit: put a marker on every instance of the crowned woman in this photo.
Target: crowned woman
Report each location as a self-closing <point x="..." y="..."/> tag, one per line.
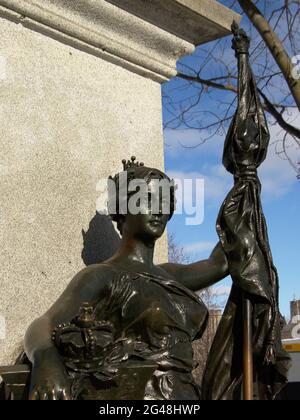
<point x="123" y="329"/>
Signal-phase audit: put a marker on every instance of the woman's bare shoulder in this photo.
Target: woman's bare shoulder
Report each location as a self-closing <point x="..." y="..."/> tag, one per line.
<point x="88" y="285"/>
<point x="96" y="273"/>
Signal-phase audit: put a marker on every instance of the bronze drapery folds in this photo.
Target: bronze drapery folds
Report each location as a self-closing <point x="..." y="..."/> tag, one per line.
<point x="242" y="229"/>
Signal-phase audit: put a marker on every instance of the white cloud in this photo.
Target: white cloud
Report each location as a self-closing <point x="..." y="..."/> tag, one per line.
<point x="199" y="247"/>
<point x="221" y="290"/>
<point x="179" y="142"/>
<point x="277" y="175"/>
<point x="217" y="182"/>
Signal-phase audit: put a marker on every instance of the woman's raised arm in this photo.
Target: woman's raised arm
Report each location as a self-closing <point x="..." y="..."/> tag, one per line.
<point x="201" y="274"/>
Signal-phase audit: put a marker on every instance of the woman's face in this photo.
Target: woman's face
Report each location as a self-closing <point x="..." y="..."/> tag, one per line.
<point x="148" y="211"/>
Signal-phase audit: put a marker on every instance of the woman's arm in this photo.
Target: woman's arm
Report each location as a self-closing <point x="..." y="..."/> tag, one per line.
<point x="49" y="379"/>
<point x="200" y="274"/>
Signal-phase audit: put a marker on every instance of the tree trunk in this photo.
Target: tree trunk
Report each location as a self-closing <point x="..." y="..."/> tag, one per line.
<point x="275" y="46"/>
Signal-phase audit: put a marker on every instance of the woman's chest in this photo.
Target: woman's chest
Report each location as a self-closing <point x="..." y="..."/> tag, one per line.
<point x="146" y="303"/>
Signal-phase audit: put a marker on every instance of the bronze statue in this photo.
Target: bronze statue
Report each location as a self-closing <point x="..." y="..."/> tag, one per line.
<point x="124" y="328"/>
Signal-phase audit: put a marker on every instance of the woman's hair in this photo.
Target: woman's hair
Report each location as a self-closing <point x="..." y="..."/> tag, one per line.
<point x="132" y="171"/>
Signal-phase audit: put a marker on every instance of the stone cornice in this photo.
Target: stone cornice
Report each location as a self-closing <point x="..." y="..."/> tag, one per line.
<point x="144" y="36"/>
<point x="196" y="21"/>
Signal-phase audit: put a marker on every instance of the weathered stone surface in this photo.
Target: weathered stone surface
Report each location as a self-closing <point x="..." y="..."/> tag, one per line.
<point x="67" y="119"/>
<point x="148" y="37"/>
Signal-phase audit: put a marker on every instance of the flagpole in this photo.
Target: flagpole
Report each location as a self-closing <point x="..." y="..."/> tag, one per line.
<point x="241" y="46"/>
<point x="247" y="351"/>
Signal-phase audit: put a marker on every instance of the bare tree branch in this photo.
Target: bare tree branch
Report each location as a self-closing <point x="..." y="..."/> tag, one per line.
<point x="274" y="45"/>
<point x="269" y="107"/>
<point x="209" y="83"/>
<point x="290" y="129"/>
<point x="195" y="99"/>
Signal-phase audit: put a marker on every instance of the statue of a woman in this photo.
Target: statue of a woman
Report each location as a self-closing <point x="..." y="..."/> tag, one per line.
<point x="140" y="321"/>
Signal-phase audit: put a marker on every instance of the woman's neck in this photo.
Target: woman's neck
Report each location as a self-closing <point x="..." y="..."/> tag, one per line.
<point x="135" y="251"/>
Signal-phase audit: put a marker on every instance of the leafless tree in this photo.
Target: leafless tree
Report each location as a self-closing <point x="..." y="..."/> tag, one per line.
<point x="194" y="101"/>
<point x="176" y="252"/>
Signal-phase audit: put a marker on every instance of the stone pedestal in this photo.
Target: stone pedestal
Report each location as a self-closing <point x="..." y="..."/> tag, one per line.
<point x="80" y="90"/>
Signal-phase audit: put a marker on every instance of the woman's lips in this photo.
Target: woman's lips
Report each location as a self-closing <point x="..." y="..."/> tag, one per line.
<point x="156" y="222"/>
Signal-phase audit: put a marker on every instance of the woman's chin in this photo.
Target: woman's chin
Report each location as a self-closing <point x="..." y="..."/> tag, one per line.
<point x="156" y="231"/>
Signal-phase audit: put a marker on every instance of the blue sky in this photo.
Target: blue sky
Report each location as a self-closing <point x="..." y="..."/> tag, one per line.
<point x="281" y="204"/>
<point x="281" y="200"/>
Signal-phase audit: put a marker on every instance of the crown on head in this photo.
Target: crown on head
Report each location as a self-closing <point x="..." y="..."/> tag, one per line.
<point x="131" y="163"/>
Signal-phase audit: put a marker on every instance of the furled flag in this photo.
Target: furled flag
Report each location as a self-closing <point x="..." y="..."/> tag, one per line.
<point x="243" y="233"/>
